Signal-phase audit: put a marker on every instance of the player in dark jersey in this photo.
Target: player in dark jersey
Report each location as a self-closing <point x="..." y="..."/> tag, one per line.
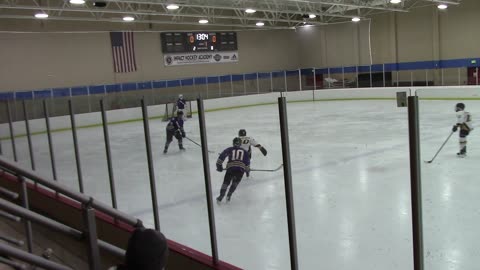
<point x="181" y="103"/>
<point x="238" y="163"/>
<point x="175" y="128"/>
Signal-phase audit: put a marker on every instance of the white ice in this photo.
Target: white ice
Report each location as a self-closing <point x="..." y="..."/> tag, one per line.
<point x="351" y="185"/>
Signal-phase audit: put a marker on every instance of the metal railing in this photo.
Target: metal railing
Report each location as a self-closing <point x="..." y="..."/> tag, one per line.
<point x="16" y="212"/>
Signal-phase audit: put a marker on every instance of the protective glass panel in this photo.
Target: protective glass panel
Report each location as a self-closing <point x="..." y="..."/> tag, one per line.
<point x="362" y="233"/>
<point x="265" y="82"/>
<point x="293" y="80"/>
<point x="449" y="177"/>
<point x="278" y="81"/>
<point x="252" y="227"/>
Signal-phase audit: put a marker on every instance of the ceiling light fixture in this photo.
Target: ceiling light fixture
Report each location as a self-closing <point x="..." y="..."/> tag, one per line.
<point x="250" y="11"/>
<point x="442" y="6"/>
<point x="203" y="21"/>
<point x="173" y="7"/>
<point x="77" y="2"/>
<point x="312" y="16"/>
<point x="128" y="18"/>
<point x="395" y="1"/>
<point x="355" y="19"/>
<point x="41" y="15"/>
<point x="260" y="24"/>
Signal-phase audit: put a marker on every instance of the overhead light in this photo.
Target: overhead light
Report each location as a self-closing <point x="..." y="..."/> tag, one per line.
<point x="442" y="6"/>
<point x="77" y="2"/>
<point x="41" y="15"/>
<point x="203" y="21"/>
<point x="249" y="10"/>
<point x="312" y="16"/>
<point x="395" y="1"/>
<point x="128" y="18"/>
<point x="260" y="24"/>
<point x="173" y="7"/>
<point x="355" y="19"/>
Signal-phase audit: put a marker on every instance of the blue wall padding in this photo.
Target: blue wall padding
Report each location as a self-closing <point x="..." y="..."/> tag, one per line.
<point x="187" y="82"/>
<point x="61" y="92"/>
<point x="144" y="85"/>
<point x="112" y="88"/>
<point x="173" y="83"/>
<point x="263" y="75"/>
<point x="236" y="78"/>
<point x="45" y="93"/>
<point x="159" y="84"/>
<point x="79" y="91"/>
<point x="200" y="80"/>
<point x="6" y="96"/>
<point x="129" y="86"/>
<point x="96" y="89"/>
<point x="225" y="78"/>
<point x="277" y="74"/>
<point x="251" y="76"/>
<point x="24" y="95"/>
<point x="214" y="79"/>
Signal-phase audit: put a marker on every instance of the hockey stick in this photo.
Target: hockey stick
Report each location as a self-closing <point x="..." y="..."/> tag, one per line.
<point x="197" y="144"/>
<point x="263" y="170"/>
<point x="430" y="161"/>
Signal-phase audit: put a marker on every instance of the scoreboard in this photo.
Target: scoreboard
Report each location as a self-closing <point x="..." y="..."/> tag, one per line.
<point x="185" y="42"/>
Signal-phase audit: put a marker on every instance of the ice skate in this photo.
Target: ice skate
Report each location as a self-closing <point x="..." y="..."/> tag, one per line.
<point x="165" y="150"/>
<point x="462" y="153"/>
<point x="228" y="198"/>
<point x="219" y="199"/>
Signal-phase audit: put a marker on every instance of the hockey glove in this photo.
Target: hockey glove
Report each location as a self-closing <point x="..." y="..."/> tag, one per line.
<point x="184" y="134"/>
<point x="263" y="150"/>
<point x="455" y="128"/>
<point x="178" y="135"/>
<point x="219" y="168"/>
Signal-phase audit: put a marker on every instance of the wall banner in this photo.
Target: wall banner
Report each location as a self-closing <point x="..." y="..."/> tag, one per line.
<point x="179" y="59"/>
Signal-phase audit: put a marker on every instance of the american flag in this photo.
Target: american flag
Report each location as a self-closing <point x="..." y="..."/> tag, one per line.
<point x="123" y="51"/>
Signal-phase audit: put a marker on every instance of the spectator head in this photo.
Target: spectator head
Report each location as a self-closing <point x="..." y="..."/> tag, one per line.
<point x="147" y="250"/>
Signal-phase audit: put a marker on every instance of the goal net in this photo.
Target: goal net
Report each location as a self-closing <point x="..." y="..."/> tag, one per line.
<point x="171" y="110"/>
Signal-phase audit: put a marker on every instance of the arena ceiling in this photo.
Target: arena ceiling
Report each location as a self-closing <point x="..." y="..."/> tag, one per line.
<point x="274" y="14"/>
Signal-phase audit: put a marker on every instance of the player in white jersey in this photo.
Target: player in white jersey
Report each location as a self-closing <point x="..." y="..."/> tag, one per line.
<point x="248" y="142"/>
<point x="464" y="123"/>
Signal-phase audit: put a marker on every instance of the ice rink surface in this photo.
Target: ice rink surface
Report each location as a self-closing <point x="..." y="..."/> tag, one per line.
<point x="350" y="179"/>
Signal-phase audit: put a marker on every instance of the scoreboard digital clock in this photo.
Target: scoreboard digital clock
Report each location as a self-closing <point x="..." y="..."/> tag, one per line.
<point x="184" y="42"/>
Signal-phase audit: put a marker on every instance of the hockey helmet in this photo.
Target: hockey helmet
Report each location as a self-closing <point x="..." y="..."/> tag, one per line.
<point x="237" y="142"/>
<point x="180" y="96"/>
<point x="242" y="132"/>
<point x="180" y="113"/>
<point x="459" y="107"/>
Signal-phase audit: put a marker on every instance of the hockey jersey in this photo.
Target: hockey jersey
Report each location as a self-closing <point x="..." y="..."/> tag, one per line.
<point x="181" y="103"/>
<point x="464" y="120"/>
<point x="238" y="159"/>
<point x="248" y="142"/>
<point x="175" y="124"/>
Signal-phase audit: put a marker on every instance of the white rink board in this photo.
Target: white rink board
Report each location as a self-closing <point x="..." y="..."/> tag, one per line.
<point x="88" y="119"/>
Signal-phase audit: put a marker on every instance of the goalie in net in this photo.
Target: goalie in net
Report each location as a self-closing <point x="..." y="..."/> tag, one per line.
<point x="180" y="105"/>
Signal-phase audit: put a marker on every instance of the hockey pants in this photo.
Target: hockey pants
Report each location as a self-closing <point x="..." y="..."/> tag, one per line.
<point x="231" y="177"/>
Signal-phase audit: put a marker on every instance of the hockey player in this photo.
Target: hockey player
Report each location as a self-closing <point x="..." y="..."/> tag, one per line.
<point x="464" y="123"/>
<point x="238" y="163"/>
<point x="175" y="128"/>
<point x="181" y="104"/>
<point x="248" y="142"/>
